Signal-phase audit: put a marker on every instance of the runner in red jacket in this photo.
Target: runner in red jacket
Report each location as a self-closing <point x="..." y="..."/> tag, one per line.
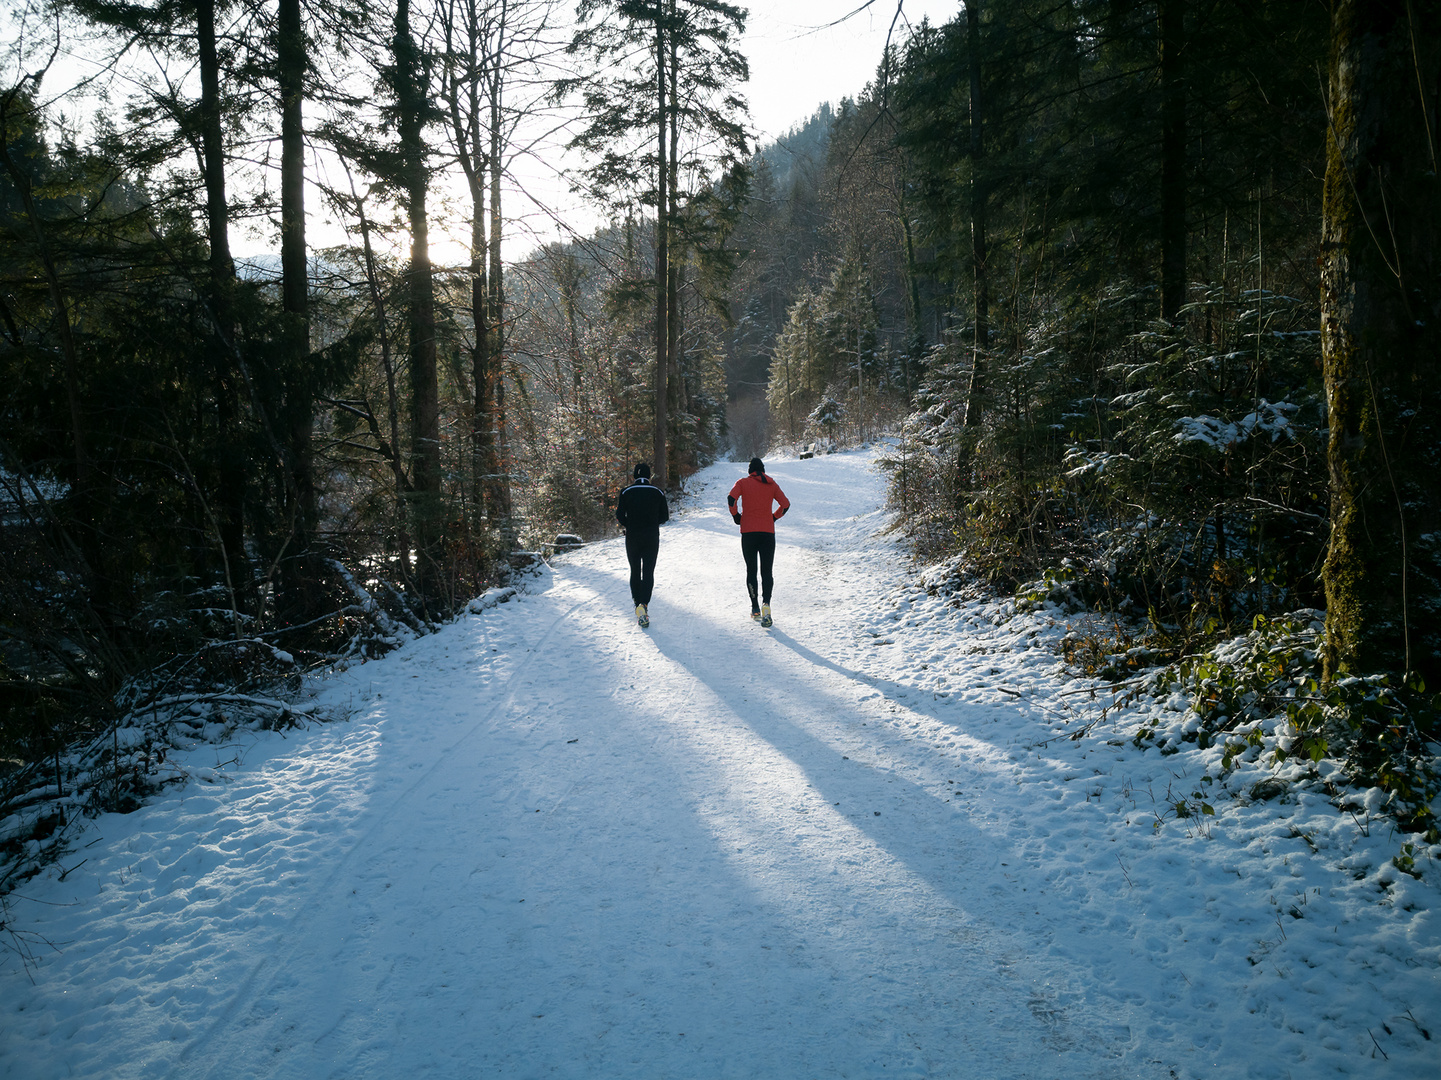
<point x="757" y="495"/>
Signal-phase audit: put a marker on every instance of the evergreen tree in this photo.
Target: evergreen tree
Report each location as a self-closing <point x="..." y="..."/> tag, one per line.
<point x="796" y="352"/>
<point x="298" y="405"/>
<point x="635" y="113"/>
<point x="408" y="82"/>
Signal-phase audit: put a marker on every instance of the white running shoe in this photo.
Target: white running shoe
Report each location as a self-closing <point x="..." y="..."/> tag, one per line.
<point x="641" y="615"/>
<point x="765" y="615"/>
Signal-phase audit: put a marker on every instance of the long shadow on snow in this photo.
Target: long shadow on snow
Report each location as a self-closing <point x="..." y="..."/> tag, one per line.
<point x="715" y="667"/>
<point x="662" y="807"/>
<point x="934" y="840"/>
<point x="835" y="775"/>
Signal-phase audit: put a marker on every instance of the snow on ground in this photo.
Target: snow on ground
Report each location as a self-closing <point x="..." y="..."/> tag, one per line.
<point x="546" y="843"/>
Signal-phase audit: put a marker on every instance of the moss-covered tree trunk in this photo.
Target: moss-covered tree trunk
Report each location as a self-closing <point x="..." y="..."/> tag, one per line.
<point x="1381" y="309"/>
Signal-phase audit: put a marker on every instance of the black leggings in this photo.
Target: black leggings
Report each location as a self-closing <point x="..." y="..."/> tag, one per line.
<point x="641" y="551"/>
<point x="762" y="546"/>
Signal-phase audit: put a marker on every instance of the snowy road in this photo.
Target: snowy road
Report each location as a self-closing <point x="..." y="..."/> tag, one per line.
<point x="550" y="844"/>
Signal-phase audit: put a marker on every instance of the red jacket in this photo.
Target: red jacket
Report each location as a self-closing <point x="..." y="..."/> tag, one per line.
<point x="757" y="493"/>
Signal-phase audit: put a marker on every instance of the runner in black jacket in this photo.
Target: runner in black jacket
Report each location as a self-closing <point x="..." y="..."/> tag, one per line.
<point x="641" y="510"/>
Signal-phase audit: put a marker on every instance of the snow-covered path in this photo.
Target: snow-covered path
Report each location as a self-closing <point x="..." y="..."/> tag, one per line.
<point x="548" y="843"/>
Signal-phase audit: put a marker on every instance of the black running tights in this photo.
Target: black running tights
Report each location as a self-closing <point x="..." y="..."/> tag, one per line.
<point x="759" y="546"/>
<point x="641" y="551"/>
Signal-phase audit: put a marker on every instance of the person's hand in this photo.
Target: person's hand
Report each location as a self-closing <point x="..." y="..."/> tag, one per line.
<point x="737" y="518"/>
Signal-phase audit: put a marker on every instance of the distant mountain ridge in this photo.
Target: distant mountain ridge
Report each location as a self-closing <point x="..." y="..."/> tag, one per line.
<point x="806" y="144"/>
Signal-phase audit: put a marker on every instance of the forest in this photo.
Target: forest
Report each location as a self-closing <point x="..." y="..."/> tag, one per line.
<point x="1138" y="302"/>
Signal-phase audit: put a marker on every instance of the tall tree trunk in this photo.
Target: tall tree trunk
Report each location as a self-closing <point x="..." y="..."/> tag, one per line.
<point x="392" y="399"/>
<point x="295" y="297"/>
<point x="290" y="75"/>
<point x="424" y="382"/>
<point x="487" y="464"/>
<point x="1381" y="309"/>
<point x="1172" y="18"/>
<point x="980" y="271"/>
<point x="676" y="405"/>
<point x="482" y="417"/>
<point x="217" y="210"/>
<point x="498" y="494"/>
<point x="662" y="263"/>
<point x="471" y="138"/>
<point x="913" y="293"/>
<point x="231" y="497"/>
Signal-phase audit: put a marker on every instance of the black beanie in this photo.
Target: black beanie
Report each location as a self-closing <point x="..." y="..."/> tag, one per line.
<point x="642" y="470"/>
<point x="757" y="465"/>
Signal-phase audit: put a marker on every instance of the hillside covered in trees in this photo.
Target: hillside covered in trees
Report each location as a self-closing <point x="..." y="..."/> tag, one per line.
<point x="1143" y="298"/>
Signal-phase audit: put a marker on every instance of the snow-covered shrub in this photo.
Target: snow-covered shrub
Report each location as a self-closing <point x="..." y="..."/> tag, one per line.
<point x="826" y="418"/>
<point x="1165" y="471"/>
<point x="114" y="760"/>
<point x="1207" y="500"/>
<point x="1258" y="699"/>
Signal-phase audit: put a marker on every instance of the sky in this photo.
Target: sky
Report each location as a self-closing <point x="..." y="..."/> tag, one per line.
<point x="802" y="53"/>
<point x="799" y="60"/>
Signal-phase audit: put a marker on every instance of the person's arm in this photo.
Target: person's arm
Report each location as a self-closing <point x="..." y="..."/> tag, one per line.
<point x="664" y="507"/>
<point x="731" y="501"/>
<point x="620" y="510"/>
<point x="781" y="501"/>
